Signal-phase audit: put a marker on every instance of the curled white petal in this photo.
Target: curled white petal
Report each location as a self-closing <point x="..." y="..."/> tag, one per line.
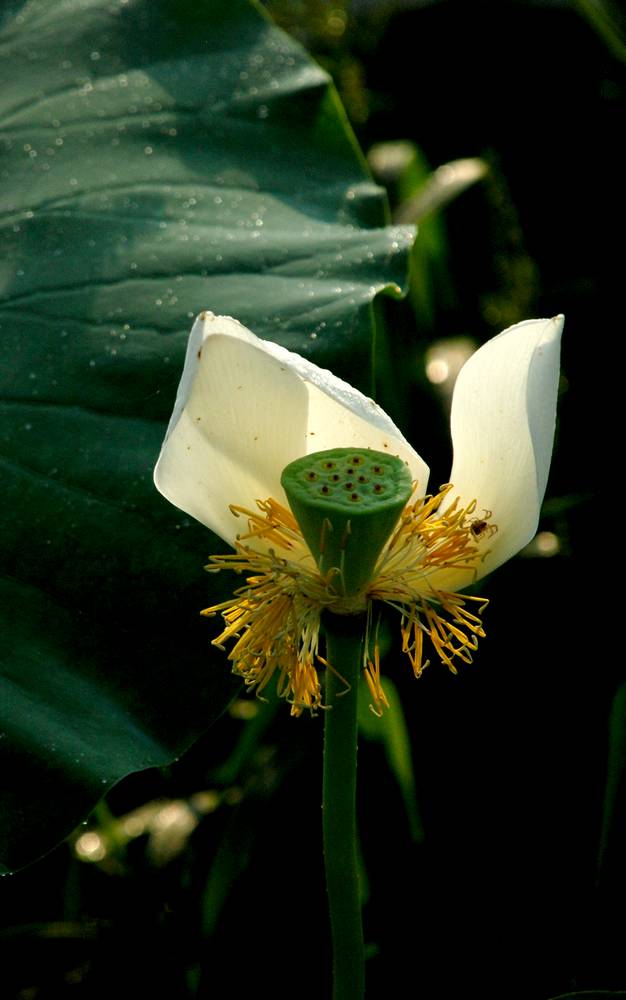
<point x="245" y="408"/>
<point x="502" y="423"/>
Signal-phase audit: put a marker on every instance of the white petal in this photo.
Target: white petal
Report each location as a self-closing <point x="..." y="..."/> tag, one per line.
<point x="502" y="423"/>
<point x="245" y="408"/>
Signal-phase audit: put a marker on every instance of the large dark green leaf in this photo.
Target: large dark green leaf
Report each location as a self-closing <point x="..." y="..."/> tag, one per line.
<point x="158" y="158"/>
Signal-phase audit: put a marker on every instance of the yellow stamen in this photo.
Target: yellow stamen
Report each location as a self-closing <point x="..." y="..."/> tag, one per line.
<point x="275" y="617"/>
<point x="372" y="676"/>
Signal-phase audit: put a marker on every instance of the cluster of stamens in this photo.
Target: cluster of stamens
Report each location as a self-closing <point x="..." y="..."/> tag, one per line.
<point x="274" y="617"/>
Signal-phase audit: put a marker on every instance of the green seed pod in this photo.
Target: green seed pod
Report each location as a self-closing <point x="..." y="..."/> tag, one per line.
<point x="347" y="501"/>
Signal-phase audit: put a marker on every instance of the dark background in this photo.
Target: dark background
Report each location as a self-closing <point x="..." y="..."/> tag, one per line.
<point x="514" y="891"/>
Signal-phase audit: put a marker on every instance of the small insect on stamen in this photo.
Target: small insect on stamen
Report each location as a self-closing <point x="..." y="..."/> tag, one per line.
<point x="481" y="528"/>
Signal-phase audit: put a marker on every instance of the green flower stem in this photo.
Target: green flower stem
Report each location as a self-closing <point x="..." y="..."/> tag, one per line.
<point x="344" y="638"/>
<point x="347" y="502"/>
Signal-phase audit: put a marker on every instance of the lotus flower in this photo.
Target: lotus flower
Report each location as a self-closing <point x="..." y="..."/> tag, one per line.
<point x="246" y="408"/>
